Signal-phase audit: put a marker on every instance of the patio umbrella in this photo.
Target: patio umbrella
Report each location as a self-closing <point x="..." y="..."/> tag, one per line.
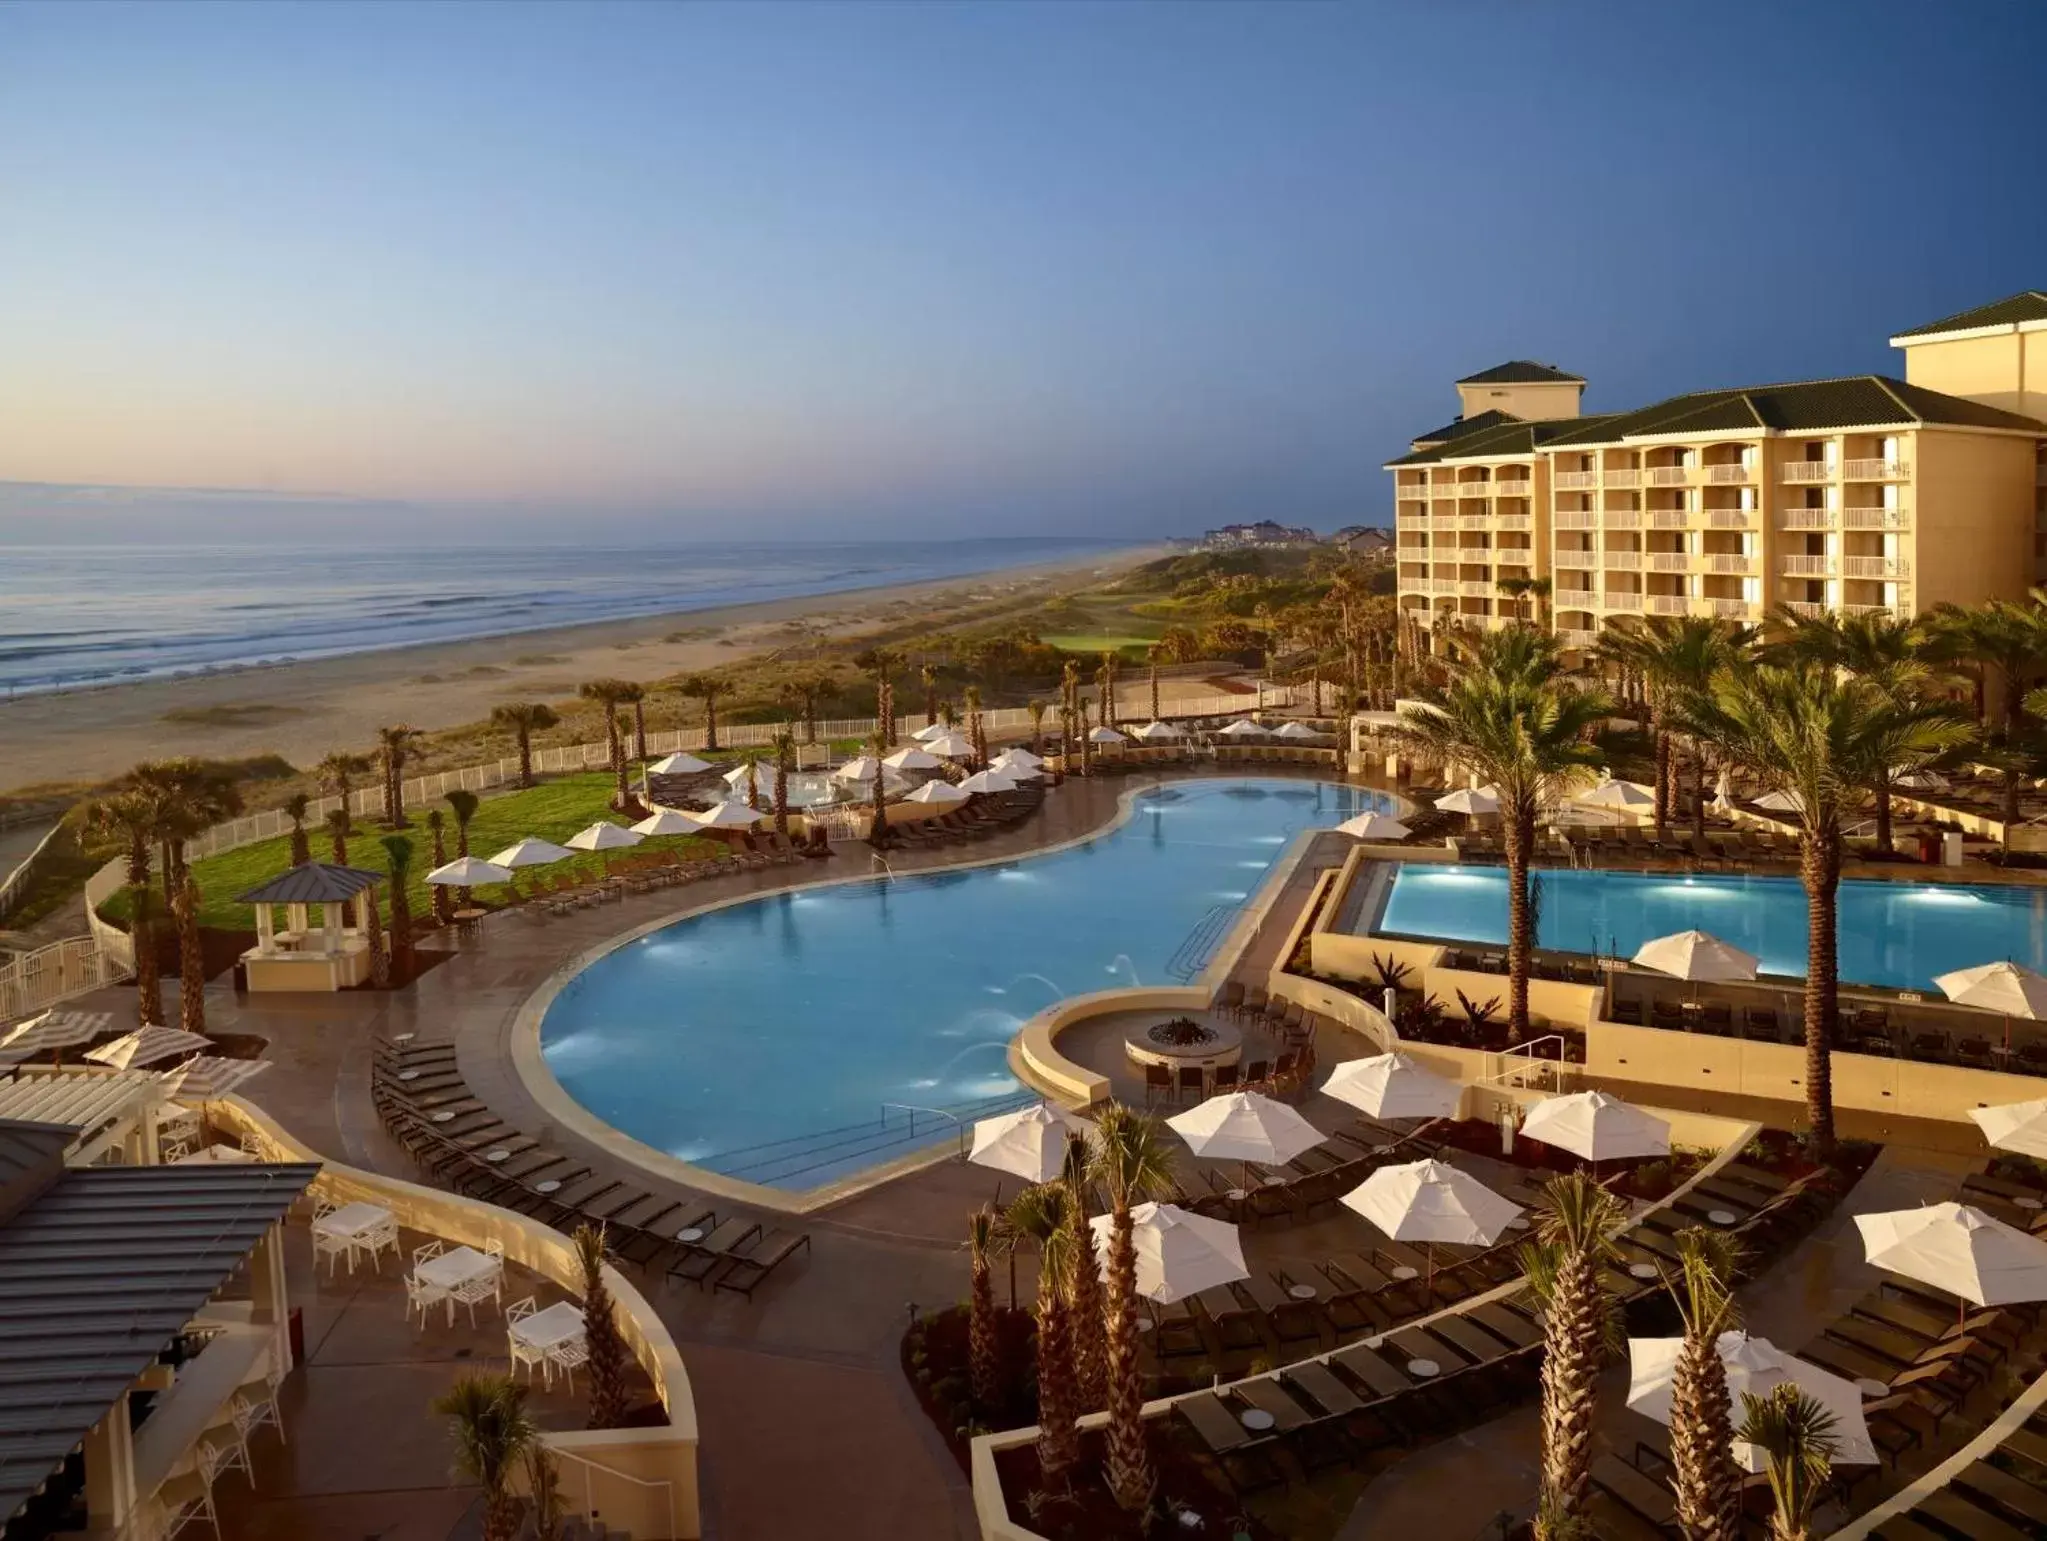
<point x="1466" y="800"/>
<point x="1178" y="1254"/>
<point x="2010" y="989"/>
<point x="1696" y="955"/>
<point x="58" y="1030"/>
<point x="988" y="781"/>
<point x="2015" y="1126"/>
<point x="1922" y="781"/>
<point x="1785" y="800"/>
<point x="1243" y="729"/>
<point x="763" y="773"/>
<point x="1017" y="755"/>
<point x="1617" y="794"/>
<point x="530" y="852"/>
<point x="1394" y="1086"/>
<point x="1293" y="729"/>
<point x="728" y="816"/>
<point x="148" y="1046"/>
<point x="1106" y="735"/>
<point x="1151" y="732"/>
<point x="861" y="768"/>
<point x="1756" y="1366"/>
<point x="907" y="758"/>
<point x="1958" y="1249"/>
<point x="1597" y="1127"/>
<point x="603" y="836"/>
<point x="1243" y="1126"/>
<point x="930" y="731"/>
<point x="1030" y="1144"/>
<point x="1723" y="791"/>
<point x="207" y="1077"/>
<point x="468" y="872"/>
<point x="1374" y="826"/>
<point x="948" y="746"/>
<point x="937" y="792"/>
<point x="1431" y="1202"/>
<point x="679" y="764"/>
<point x="666" y="821"/>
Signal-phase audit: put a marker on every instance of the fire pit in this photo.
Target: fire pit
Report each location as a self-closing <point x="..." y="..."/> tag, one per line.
<point x="1183" y="1043"/>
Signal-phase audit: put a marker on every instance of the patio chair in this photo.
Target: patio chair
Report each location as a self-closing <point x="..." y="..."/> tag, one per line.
<point x="523" y="1353"/>
<point x="422" y="1296"/>
<point x="1225" y="1079"/>
<point x="373" y="1242"/>
<point x="259" y="1398"/>
<point x="187" y="1499"/>
<point x="1717" y="1019"/>
<point x="333" y="1248"/>
<point x="1759" y="1023"/>
<point x="567" y="1355"/>
<point x="1256" y="1071"/>
<point x="750" y="1269"/>
<point x="1668" y="1015"/>
<point x="427" y="1253"/>
<point x="489" y="1286"/>
<point x="1158" y="1082"/>
<point x="1193" y="1079"/>
<point x="1628" y="1012"/>
<point x="230" y="1452"/>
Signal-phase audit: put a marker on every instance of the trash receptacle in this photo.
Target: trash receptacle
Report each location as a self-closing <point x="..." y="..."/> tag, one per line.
<point x="1951" y="848"/>
<point x="1929" y="846"/>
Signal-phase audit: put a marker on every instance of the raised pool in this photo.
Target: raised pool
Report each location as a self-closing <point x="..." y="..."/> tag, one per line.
<point x="763" y="1040"/>
<point x="1894" y="934"/>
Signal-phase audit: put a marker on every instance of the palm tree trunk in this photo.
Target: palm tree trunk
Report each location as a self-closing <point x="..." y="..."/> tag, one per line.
<point x="1520" y="832"/>
<point x="1705" y="1480"/>
<point x="1570" y="1388"/>
<point x="142" y="933"/>
<point x="1058" y="1436"/>
<point x="1882" y="791"/>
<point x="1820" y="871"/>
<point x="981" y="1343"/>
<point x="525" y="757"/>
<point x="639" y="730"/>
<point x="191" y="960"/>
<point x="711" y="723"/>
<point x="1154" y="692"/>
<point x="1129" y="1466"/>
<point x="1662" y="779"/>
<point x="1698" y="790"/>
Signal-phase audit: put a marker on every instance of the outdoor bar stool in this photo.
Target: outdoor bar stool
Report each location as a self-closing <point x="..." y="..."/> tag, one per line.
<point x="1158" y="1082"/>
<point x="1193" y="1078"/>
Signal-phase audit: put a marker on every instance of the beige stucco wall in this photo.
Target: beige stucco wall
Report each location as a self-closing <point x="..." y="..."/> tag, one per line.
<point x="1034" y="1053"/>
<point x="1536" y="400"/>
<point x="1972" y="519"/>
<point x="2008" y="371"/>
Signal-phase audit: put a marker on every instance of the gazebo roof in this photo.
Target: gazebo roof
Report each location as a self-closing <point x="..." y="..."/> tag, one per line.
<point x="317" y="882"/>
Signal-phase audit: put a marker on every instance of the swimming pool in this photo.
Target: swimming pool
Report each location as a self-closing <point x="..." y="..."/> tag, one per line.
<point x="762" y="1040"/>
<point x="1894" y="934"/>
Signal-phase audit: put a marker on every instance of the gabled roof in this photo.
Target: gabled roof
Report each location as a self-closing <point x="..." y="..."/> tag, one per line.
<point x="1459" y="427"/>
<point x="1500" y="442"/>
<point x="1859" y="401"/>
<point x="1522" y="371"/>
<point x="317" y="882"/>
<point x="2028" y="305"/>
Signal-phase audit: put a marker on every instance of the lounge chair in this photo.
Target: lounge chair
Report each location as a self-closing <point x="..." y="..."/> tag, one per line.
<point x="750" y="1268"/>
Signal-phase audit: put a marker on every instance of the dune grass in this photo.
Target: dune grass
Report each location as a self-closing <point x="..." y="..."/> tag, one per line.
<point x="553" y="811"/>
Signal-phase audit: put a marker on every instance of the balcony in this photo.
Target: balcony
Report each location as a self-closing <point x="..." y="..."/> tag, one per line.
<point x="1442" y="521"/>
<point x="1572" y="637"/>
<point x="1668" y="476"/>
<point x="1575" y="519"/>
<point x="1412" y="512"/>
<point x="1893" y="612"/>
<point x="1667" y="604"/>
<point x="1805" y="471"/>
<point x="1510" y="489"/>
<point x="1623" y="561"/>
<point x="1806" y="566"/>
<point x="1875" y="518"/>
<point x="1731" y="609"/>
<point x="1669" y="518"/>
<point x="1576" y="481"/>
<point x="1730" y="473"/>
<point x="1480" y="490"/>
<point x="1629" y="477"/>
<point x="1726" y="562"/>
<point x="1442" y="489"/>
<point x="1806" y="518"/>
<point x="1670" y="561"/>
<point x="1875" y="470"/>
<point x="1512" y="522"/>
<point x="1622" y="519"/>
<point x="1624" y="599"/>
<point x="1475" y="588"/>
<point x="1875" y="567"/>
<point x="1440" y="586"/>
<point x="1575" y="599"/>
<point x="1805" y="610"/>
<point x="1473" y="521"/>
<point x="1729" y="518"/>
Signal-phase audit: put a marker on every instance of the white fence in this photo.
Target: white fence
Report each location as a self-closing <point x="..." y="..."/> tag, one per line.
<point x="16" y="885"/>
<point x="55" y="973"/>
<point x="114" y="943"/>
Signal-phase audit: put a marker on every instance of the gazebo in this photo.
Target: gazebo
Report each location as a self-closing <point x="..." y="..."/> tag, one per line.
<point x="332" y="956"/>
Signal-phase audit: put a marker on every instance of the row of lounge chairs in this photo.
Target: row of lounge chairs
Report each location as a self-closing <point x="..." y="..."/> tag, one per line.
<point x="983" y="816"/>
<point x="2001" y="1498"/>
<point x="644" y="874"/>
<point x="458" y="1143"/>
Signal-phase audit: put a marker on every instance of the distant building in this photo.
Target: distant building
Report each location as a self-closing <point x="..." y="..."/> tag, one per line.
<point x="1264" y="533"/>
<point x="1368" y="541"/>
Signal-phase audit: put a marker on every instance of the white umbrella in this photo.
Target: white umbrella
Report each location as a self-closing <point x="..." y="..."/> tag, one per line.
<point x="206" y="1077"/>
<point x="931" y="731"/>
<point x="1723" y="791"/>
<point x="53" y="1030"/>
<point x="728" y="816"/>
<point x="1243" y="1126"/>
<point x="1178" y="1254"/>
<point x="603" y="836"/>
<point x="1958" y="1249"/>
<point x="468" y="872"/>
<point x="679" y="764"/>
<point x="1597" y="1127"/>
<point x="948" y="746"/>
<point x="1106" y="736"/>
<point x="861" y="768"/>
<point x="1153" y="731"/>
<point x="1030" y="1144"/>
<point x="1293" y="729"/>
<point x="763" y="772"/>
<point x="666" y="821"/>
<point x="1374" y="826"/>
<point x="1922" y="781"/>
<point x="907" y="758"/>
<point x="1430" y="1202"/>
<point x="1696" y="955"/>
<point x="1394" y="1086"/>
<point x="1465" y="800"/>
<point x="988" y="781"/>
<point x="1018" y="756"/>
<point x="1243" y="729"/>
<point x="530" y="852"/>
<point x="1785" y="801"/>
<point x="1756" y="1366"/>
<point x="937" y="792"/>
<point x="146" y="1046"/>
<point x="2015" y="1126"/>
<point x="2009" y="989"/>
<point x="1617" y="794"/>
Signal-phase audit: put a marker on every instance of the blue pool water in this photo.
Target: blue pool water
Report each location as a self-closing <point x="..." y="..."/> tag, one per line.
<point x="1894" y="934"/>
<point x="763" y="1040"/>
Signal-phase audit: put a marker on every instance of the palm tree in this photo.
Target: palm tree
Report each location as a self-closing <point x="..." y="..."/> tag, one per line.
<point x="1808" y="730"/>
<point x="1540" y="589"/>
<point x="339" y="828"/>
<point x="928" y="677"/>
<point x="785" y="767"/>
<point x="2010" y="639"/>
<point x="608" y="693"/>
<point x="1509" y="716"/>
<point x="607" y="1350"/>
<point x="635" y="696"/>
<point x="976" y="728"/>
<point x="1038" y="1215"/>
<point x="395" y="745"/>
<point x="190" y="797"/>
<point x="877" y="829"/>
<point x="1581" y="1326"/>
<point x="129" y="815"/>
<point x="524" y="718"/>
<point x="337" y="773"/>
<point x="463" y="805"/>
<point x="296" y="807"/>
<point x="1133" y="1161"/>
<point x="1515" y="589"/>
<point x="1105" y="686"/>
<point x="1675" y="655"/>
<point x="1083" y="1283"/>
<point x="1796" y="1436"/>
<point x="882" y="662"/>
<point x="984" y="1236"/>
<point x="398" y="857"/>
<point x="705" y="688"/>
<point x="443" y="898"/>
<point x="191" y="958"/>
<point x="1152" y="657"/>
<point x="493" y="1433"/>
<point x="373" y="938"/>
<point x="1706" y="1480"/>
<point x="1037" y="710"/>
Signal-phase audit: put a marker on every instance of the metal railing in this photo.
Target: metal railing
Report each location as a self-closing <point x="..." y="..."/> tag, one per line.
<point x="1806" y="566"/>
<point x="1622" y="518"/>
<point x="1805" y="518"/>
<point x="1574" y="481"/>
<point x="1622" y="561"/>
<point x="1510" y="489"/>
<point x="590" y="1509"/>
<point x="1875" y="518"/>
<point x="1669" y="518"/>
<point x="16" y="885"/>
<point x="1730" y="473"/>
<point x="1667" y="604"/>
<point x="1626" y="476"/>
<point x="1548" y="1068"/>
<point x="1668" y="476"/>
<point x="913" y="1110"/>
<point x="56" y="973"/>
<point x="1575" y="519"/>
<point x="1810" y="470"/>
<point x="1875" y="567"/>
<point x="1875" y="470"/>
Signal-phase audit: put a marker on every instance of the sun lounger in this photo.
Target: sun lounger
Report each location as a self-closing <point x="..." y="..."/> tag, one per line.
<point x="751" y="1268"/>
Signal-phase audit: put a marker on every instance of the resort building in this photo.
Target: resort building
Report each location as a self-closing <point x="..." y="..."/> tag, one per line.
<point x="1848" y="495"/>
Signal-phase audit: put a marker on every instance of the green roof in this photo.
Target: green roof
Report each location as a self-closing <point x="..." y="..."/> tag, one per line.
<point x="1522" y="371"/>
<point x="2031" y="305"/>
<point x="1501" y="441"/>
<point x="1874" y="401"/>
<point x="1459" y="427"/>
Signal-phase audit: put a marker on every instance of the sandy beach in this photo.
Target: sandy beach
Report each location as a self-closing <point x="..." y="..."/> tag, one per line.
<point x="303" y="710"/>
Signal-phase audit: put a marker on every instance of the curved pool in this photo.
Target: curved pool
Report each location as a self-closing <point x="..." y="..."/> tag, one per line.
<point x="764" y="1040"/>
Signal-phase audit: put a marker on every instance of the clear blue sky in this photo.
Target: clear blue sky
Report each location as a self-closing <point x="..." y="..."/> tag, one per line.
<point x="1007" y="268"/>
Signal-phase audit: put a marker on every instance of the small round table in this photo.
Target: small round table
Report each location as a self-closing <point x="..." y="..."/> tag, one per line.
<point x="1403" y="1273"/>
<point x="408" y="1075"/>
<point x="1871" y="1387"/>
<point x="403" y="1037"/>
<point x="2026" y="1203"/>
<point x="444" y="1118"/>
<point x="1236" y="1195"/>
<point x="550" y="1186"/>
<point x="1256" y="1419"/>
<point x="1642" y="1270"/>
<point x="1302" y="1291"/>
<point x="498" y="1155"/>
<point x="1423" y="1368"/>
<point x="690" y="1233"/>
<point x="1722" y="1216"/>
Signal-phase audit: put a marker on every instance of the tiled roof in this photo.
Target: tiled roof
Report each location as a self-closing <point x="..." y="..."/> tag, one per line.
<point x="1500" y="442"/>
<point x="1875" y="401"/>
<point x="1462" y="426"/>
<point x="317" y="882"/>
<point x="1522" y="371"/>
<point x="2031" y="305"/>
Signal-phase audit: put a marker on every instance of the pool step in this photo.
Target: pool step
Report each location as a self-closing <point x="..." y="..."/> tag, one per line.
<point x="1196" y="952"/>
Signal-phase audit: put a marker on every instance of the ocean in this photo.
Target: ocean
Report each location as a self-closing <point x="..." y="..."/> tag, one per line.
<point x="74" y="615"/>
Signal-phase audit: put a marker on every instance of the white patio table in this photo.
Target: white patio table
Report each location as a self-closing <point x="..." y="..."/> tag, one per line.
<point x="455" y="1268"/>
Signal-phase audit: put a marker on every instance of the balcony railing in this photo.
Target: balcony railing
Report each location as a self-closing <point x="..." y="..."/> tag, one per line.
<point x="1474" y="489"/>
<point x="1668" y="476"/>
<point x="1667" y="604"/>
<point x="1440" y="586"/>
<point x="1726" y="562"/>
<point x="1442" y="489"/>
<point x="1473" y="521"/>
<point x="1414" y="492"/>
<point x="1574" y="481"/>
<point x="1412" y="511"/>
<point x="1575" y="599"/>
<point x="1888" y="610"/>
<point x="1622" y="518"/>
<point x="1575" y="519"/>
<point x="1875" y="470"/>
<point x="1809" y="470"/>
<point x="1669" y="518"/>
<point x="1732" y="609"/>
<point x="1805" y="518"/>
<point x="1511" y="489"/>
<point x="1478" y="588"/>
<point x="1875" y="567"/>
<point x="1623" y="599"/>
<point x="1572" y="637"/>
<point x="1670" y="561"/>
<point x="1730" y="473"/>
<point x="1628" y="477"/>
<point x="1623" y="561"/>
<point x="1512" y="522"/>
<point x="1806" y="566"/>
<point x="1730" y="518"/>
<point x="1875" y="518"/>
<point x="1805" y="609"/>
<point x="1442" y="521"/>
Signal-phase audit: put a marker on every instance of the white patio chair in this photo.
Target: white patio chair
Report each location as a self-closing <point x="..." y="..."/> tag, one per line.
<point x="222" y="1449"/>
<point x="568" y="1354"/>
<point x="334" y="1249"/>
<point x="525" y="1353"/>
<point x="375" y="1240"/>
<point x="432" y="1249"/>
<point x="259" y="1399"/>
<point x="186" y="1499"/>
<point x="323" y="1207"/>
<point x="489" y="1286"/>
<point x="495" y="1248"/>
<point x="174" y="1148"/>
<point x="422" y="1296"/>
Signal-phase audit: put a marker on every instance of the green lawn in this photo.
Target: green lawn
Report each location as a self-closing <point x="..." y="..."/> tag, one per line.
<point x="553" y="811"/>
<point x="1098" y="642"/>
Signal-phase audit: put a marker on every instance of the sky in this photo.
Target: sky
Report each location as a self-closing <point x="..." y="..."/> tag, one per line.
<point x="874" y="269"/>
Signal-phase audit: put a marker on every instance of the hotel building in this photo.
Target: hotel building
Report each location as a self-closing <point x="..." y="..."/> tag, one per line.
<point x="1850" y="495"/>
